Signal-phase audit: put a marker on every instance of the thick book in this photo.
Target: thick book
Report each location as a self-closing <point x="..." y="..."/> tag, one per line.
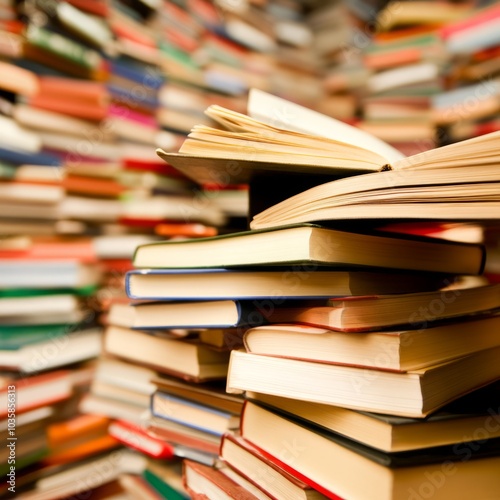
<point x="398" y="349"/>
<point x="456" y="422"/>
<point x="416" y="310"/>
<point x="415" y="393"/>
<point x="309" y="244"/>
<point x="272" y="480"/>
<point x="313" y="149"/>
<point x="182" y="358"/>
<point x="296" y="282"/>
<point x="362" y="472"/>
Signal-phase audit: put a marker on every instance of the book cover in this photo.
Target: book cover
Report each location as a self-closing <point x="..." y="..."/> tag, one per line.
<point x="292" y="283"/>
<point x="310" y="244"/>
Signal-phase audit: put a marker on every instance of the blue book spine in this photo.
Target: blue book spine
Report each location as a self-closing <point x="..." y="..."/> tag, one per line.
<point x="150" y="77"/>
<point x="17" y="157"/>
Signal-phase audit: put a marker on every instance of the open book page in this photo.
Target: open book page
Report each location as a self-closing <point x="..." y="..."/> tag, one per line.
<point x="281" y="113"/>
<point x="467" y="193"/>
<point x="478" y="151"/>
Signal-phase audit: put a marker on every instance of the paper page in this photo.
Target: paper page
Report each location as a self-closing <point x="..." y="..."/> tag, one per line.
<point x="281" y="113"/>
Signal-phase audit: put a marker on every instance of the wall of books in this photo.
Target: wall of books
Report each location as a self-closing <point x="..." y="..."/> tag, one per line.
<point x="249" y="249"/>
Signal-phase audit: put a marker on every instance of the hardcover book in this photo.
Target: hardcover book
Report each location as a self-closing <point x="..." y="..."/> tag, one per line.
<point x="415" y="393"/>
<point x="296" y="282"/>
<point x="309" y="244"/>
<point x="384" y="476"/>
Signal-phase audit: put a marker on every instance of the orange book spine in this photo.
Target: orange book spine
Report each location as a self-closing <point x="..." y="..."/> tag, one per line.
<point x="70" y="88"/>
<point x="58" y="434"/>
<point x="81" y="451"/>
<point x="71" y="107"/>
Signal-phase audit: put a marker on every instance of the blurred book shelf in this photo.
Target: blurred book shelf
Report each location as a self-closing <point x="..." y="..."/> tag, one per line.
<point x="89" y="90"/>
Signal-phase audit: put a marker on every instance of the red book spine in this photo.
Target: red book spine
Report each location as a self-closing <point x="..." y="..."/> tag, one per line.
<point x="135" y="437"/>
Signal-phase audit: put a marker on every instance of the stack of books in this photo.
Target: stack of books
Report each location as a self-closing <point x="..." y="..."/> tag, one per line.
<point x="407" y="61"/>
<point x="469" y="107"/>
<point x="350" y="365"/>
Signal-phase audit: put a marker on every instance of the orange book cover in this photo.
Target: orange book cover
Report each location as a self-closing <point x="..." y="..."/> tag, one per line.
<point x="81" y="450"/>
<point x="69" y="88"/>
<point x="71" y="107"/>
<point x="79" y="427"/>
<point x="53" y="248"/>
<point x="94" y="186"/>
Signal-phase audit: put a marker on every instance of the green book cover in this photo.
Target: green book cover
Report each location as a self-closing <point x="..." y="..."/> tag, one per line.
<point x="63" y="47"/>
<point x="85" y="291"/>
<point x="163" y="488"/>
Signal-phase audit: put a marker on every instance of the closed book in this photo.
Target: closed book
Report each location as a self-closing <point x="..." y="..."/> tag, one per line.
<point x="72" y="346"/>
<point x="296" y="282"/>
<point x="414" y="393"/>
<point x="47" y="273"/>
<point x="19" y="157"/>
<point x="29" y="393"/>
<point x="136" y="437"/>
<point x="309" y="244"/>
<point x="42" y="310"/>
<point x="210" y="314"/>
<point x="182" y="358"/>
<point x="391" y="349"/>
<point x="361" y="472"/>
<point x="165" y="479"/>
<point x="240" y="455"/>
<point x="210" y="393"/>
<point x="416" y="310"/>
<point x="458" y="421"/>
<point x="202" y="481"/>
<point x="183" y="436"/>
<point x="193" y="414"/>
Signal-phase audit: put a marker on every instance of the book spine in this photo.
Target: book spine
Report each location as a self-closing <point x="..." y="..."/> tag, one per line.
<point x="63" y="47"/>
<point x="476" y="21"/>
<point x="20" y="158"/>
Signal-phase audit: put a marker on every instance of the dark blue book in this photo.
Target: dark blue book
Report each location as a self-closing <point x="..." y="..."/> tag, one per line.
<point x="17" y="157"/>
<point x="148" y="76"/>
<point x="124" y="95"/>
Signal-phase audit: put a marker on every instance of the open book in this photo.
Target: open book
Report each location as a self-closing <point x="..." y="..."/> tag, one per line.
<point x="279" y="135"/>
<point x="283" y="149"/>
